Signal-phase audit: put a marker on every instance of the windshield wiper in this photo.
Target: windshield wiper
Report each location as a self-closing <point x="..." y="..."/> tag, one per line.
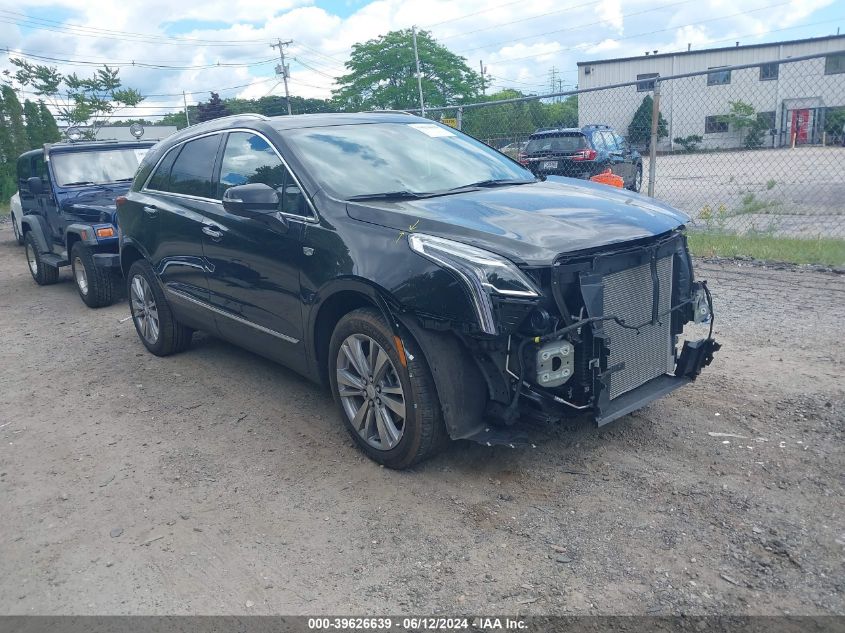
<point x="389" y="195"/>
<point x="499" y="182"/>
<point x="78" y="182"/>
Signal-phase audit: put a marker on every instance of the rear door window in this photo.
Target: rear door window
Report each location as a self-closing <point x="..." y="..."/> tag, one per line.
<point x="192" y="173"/>
<point x="557" y="143"/>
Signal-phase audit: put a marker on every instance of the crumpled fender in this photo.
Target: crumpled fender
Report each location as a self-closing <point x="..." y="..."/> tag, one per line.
<point x="460" y="386"/>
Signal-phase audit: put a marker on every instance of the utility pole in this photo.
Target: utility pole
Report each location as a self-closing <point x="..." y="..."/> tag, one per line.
<point x="283" y="69"/>
<point x="482" y="69"/>
<point x="185" y="101"/>
<point x="419" y="74"/>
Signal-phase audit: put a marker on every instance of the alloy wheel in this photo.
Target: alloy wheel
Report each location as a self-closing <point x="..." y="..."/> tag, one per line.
<point x="370" y="392"/>
<point x="144" y="310"/>
<point x="80" y="276"/>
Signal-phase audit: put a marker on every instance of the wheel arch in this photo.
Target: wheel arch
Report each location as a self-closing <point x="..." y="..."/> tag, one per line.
<point x="344" y="297"/>
<point x="461" y="389"/>
<point x="130" y="252"/>
<point x="32" y="224"/>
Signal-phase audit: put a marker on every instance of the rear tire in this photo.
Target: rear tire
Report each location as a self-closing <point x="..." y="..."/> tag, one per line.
<point x="42" y="273"/>
<point x="368" y="407"/>
<point x="637" y="185"/>
<point x="152" y="315"/>
<point x="95" y="284"/>
<point x="18" y="236"/>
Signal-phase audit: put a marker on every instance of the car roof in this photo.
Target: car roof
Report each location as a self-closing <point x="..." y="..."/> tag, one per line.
<point x="64" y="146"/>
<point x="571" y="130"/>
<point x="67" y="146"/>
<point x="282" y="123"/>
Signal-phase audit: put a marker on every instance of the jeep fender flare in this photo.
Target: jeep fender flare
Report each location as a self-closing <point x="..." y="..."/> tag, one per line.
<point x="33" y="224"/>
<point x="84" y="232"/>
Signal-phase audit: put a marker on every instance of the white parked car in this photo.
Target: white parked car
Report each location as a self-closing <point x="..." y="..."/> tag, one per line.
<point x="17" y="216"/>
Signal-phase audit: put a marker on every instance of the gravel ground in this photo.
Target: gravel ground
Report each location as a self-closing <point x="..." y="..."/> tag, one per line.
<point x="786" y="192"/>
<point x="215" y="482"/>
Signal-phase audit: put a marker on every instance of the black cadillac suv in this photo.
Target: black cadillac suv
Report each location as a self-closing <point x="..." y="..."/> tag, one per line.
<point x="436" y="285"/>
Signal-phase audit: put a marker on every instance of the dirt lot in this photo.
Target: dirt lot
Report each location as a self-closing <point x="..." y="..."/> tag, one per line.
<point x="791" y="193"/>
<point x="218" y="482"/>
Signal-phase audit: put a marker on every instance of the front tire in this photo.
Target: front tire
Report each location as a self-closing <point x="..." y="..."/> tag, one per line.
<point x="152" y="315"/>
<point x="390" y="408"/>
<point x="42" y="273"/>
<point x="96" y="285"/>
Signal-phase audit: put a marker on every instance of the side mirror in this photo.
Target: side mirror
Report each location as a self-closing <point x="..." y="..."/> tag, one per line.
<point x="35" y="185"/>
<point x="251" y="200"/>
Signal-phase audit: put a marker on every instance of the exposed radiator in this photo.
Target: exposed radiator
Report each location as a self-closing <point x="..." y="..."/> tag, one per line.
<point x="628" y="294"/>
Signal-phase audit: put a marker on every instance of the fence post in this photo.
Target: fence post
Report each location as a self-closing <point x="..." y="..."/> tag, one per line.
<point x="652" y="146"/>
<point x="460" y="117"/>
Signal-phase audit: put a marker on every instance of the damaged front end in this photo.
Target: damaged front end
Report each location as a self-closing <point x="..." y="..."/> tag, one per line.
<point x="602" y="335"/>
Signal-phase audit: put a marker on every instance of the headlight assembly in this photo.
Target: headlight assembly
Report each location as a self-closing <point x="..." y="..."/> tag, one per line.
<point x="485" y="273"/>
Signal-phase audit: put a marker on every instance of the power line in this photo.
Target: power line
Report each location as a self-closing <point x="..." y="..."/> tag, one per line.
<point x="637" y="35"/>
<point x="510" y="22"/>
<point x="134" y="64"/>
<point x="580" y="26"/>
<point x="114" y="34"/>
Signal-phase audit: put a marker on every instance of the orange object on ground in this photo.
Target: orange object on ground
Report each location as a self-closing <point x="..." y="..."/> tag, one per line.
<point x="607" y="177"/>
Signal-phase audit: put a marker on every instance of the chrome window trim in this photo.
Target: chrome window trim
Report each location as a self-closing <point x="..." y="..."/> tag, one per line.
<point x="216" y="310"/>
<point x="314" y="218"/>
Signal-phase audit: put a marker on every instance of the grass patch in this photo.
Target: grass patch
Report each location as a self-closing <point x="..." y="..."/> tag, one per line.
<point x="4" y="209"/>
<point x="827" y="251"/>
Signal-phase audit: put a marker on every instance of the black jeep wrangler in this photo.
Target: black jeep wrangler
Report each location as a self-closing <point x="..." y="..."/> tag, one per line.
<point x="67" y="193"/>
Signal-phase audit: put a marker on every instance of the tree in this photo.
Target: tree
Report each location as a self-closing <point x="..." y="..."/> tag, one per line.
<point x="639" y="131"/>
<point x="13" y="140"/>
<point x="744" y="120"/>
<point x="33" y="124"/>
<point x="49" y="127"/>
<point x="77" y="100"/>
<point x="834" y="122"/>
<point x="382" y="74"/>
<point x="214" y="109"/>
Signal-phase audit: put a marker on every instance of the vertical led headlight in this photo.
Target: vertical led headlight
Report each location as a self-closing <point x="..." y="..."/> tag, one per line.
<point x="483" y="272"/>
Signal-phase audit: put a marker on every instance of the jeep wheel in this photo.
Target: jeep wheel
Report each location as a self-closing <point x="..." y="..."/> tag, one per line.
<point x="95" y="284"/>
<point x="158" y="329"/>
<point x="42" y="273"/>
<point x="18" y="236"/>
<point x="389" y="407"/>
<point x="637" y="184"/>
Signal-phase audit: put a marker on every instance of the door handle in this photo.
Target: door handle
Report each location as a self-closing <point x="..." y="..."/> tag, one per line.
<point x="150" y="209"/>
<point x="212" y="232"/>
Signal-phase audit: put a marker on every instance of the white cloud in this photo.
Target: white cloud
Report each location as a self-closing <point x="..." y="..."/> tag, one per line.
<point x="518" y="42"/>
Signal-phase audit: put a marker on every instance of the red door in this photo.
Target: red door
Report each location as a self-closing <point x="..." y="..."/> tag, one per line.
<point x="800" y="125"/>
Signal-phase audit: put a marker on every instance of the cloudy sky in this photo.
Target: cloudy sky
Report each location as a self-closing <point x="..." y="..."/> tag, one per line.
<point x="225" y="46"/>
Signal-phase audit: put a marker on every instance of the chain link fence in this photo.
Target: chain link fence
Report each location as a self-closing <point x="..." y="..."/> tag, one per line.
<point x="755" y="149"/>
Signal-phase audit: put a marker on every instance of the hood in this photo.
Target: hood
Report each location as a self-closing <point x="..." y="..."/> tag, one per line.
<point x="530" y="224"/>
<point x="91" y="204"/>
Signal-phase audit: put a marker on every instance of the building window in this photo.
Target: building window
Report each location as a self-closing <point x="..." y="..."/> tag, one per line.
<point x="768" y="72"/>
<point x="834" y="64"/>
<point x="643" y="85"/>
<point x="715" y="124"/>
<point x="767" y="119"/>
<point x="718" y="78"/>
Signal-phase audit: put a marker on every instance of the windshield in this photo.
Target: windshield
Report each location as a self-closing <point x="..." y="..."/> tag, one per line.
<point x="562" y="143"/>
<point x="415" y="157"/>
<point x="96" y="166"/>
